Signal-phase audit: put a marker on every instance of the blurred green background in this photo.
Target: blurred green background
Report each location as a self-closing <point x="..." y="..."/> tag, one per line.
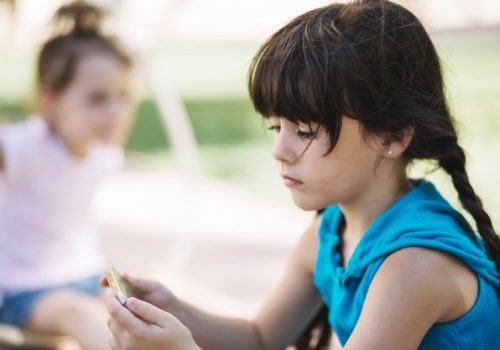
<point x="212" y="82"/>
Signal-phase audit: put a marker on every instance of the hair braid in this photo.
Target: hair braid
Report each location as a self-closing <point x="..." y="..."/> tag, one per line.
<point x="454" y="164"/>
<point x="317" y="334"/>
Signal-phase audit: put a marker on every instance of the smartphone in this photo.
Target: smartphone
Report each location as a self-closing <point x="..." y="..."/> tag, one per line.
<point x="117" y="283"/>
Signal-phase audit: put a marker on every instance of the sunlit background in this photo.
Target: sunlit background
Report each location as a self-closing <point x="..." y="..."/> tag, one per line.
<point x="200" y="205"/>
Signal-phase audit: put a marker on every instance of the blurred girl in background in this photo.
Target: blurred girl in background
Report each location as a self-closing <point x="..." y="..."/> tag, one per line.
<point x="50" y="165"/>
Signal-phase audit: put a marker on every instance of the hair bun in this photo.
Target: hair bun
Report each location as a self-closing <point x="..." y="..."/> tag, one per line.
<point x="79" y="18"/>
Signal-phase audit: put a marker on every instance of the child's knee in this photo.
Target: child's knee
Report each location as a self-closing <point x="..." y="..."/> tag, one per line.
<point x="63" y="310"/>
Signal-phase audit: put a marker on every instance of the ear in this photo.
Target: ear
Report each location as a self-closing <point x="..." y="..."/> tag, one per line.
<point x="48" y="102"/>
<point x="393" y="146"/>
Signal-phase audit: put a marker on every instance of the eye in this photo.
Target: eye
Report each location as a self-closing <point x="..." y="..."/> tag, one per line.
<point x="305" y="134"/>
<point x="307" y="131"/>
<point x="275" y="128"/>
<point x="97" y="98"/>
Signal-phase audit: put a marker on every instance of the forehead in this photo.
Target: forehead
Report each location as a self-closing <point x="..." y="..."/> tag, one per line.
<point x="100" y="71"/>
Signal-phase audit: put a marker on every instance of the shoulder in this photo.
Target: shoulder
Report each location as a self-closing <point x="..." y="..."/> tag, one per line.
<point x="24" y="133"/>
<point x="417" y="274"/>
<point x="413" y="259"/>
<point x="413" y="289"/>
<point x="20" y="143"/>
<point x="448" y="284"/>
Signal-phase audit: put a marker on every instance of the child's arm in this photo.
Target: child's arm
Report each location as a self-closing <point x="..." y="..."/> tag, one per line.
<point x="295" y="300"/>
<point x="281" y="320"/>
<point x="413" y="289"/>
<point x="283" y="317"/>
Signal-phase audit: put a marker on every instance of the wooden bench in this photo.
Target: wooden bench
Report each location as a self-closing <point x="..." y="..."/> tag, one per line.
<point x="15" y="338"/>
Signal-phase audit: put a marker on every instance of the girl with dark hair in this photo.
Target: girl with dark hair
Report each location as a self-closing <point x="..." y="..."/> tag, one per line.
<point x="354" y="94"/>
<point x="50" y="165"/>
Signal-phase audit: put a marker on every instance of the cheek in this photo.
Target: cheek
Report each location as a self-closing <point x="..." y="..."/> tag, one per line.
<point x="95" y="110"/>
<point x="324" y="184"/>
<point x="335" y="178"/>
<point x="80" y="127"/>
<point x="74" y="113"/>
<point x="354" y="158"/>
<point x="79" y="123"/>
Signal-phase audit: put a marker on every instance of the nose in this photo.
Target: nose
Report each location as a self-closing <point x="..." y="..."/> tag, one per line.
<point x="115" y="111"/>
<point x="115" y="108"/>
<point x="283" y="150"/>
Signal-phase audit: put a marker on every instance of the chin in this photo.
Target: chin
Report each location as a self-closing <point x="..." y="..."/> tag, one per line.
<point x="310" y="202"/>
<point x="307" y="204"/>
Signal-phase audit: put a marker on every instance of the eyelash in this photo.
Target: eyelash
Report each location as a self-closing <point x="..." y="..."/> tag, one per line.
<point x="304" y="134"/>
<point x="300" y="133"/>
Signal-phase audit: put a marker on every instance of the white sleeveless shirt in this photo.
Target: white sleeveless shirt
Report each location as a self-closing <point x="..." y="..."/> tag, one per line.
<point x="47" y="236"/>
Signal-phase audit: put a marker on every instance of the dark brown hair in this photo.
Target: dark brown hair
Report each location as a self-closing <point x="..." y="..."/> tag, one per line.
<point x="77" y="35"/>
<point x="372" y="61"/>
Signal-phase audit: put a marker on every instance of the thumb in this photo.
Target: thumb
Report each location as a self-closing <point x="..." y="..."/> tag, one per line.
<point x="148" y="312"/>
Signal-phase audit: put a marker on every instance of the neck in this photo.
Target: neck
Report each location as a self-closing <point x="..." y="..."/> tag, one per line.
<point x="76" y="149"/>
<point x="360" y="211"/>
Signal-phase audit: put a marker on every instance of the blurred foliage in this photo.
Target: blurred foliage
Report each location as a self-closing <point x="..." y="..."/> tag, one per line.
<point x="215" y="122"/>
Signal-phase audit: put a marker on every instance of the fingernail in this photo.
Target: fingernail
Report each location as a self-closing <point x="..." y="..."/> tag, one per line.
<point x="132" y="303"/>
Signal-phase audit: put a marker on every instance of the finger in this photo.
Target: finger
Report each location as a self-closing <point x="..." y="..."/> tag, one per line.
<point x="103" y="281"/>
<point x="149" y="312"/>
<point x="114" y="344"/>
<point x="115" y="329"/>
<point x="125" y="319"/>
<point x="142" y="286"/>
<point x="152" y="314"/>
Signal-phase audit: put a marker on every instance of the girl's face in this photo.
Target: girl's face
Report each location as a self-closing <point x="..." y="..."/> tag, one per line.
<point x="95" y="107"/>
<point x="317" y="179"/>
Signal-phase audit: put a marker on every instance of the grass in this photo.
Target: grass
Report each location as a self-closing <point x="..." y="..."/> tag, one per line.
<point x="221" y="121"/>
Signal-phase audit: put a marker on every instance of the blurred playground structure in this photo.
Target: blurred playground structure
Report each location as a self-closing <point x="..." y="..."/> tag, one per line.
<point x="207" y="214"/>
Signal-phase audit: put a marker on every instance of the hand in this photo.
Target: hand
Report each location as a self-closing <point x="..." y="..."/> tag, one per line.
<point x="142" y="326"/>
<point x="151" y="291"/>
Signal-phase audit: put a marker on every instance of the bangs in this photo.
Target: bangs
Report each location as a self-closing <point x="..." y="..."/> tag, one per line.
<point x="294" y="76"/>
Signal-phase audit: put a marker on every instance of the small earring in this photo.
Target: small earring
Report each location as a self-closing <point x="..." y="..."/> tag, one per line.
<point x="389" y="153"/>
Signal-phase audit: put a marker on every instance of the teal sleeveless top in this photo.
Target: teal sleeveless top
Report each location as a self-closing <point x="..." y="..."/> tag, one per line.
<point x="423" y="218"/>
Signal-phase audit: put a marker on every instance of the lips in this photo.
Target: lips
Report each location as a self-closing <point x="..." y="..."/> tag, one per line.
<point x="290" y="181"/>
